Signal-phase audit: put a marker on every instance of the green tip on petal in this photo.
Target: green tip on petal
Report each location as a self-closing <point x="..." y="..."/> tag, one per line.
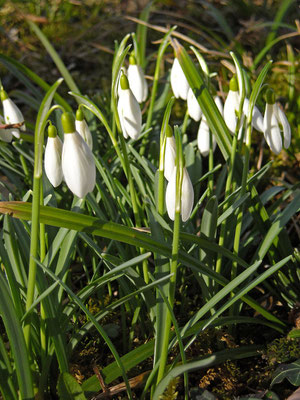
<point x="79" y="115"/>
<point x="169" y="131"/>
<point x="68" y="122"/>
<point x="3" y="95"/>
<point x="124" y="82"/>
<point x="52" y="131"/>
<point x="233" y="84"/>
<point x="132" y="59"/>
<point x="270" y="96"/>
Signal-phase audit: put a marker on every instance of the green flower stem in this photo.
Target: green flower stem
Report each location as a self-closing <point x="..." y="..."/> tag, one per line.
<point x="175" y="250"/>
<point x="42" y="117"/>
<point x="185" y="121"/>
<point x="210" y="184"/>
<point x="161" y="51"/>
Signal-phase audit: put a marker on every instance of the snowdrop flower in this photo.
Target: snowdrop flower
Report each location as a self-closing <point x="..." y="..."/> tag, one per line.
<point x="78" y="163"/>
<point x="5" y="134"/>
<point x="231" y="105"/>
<point x="83" y="129"/>
<point x="257" y="118"/>
<point x="203" y="137"/>
<point x="187" y="196"/>
<point x="179" y="83"/>
<point x="52" y="159"/>
<point x="274" y="118"/>
<point x="137" y="81"/>
<point x="12" y="113"/>
<point x="129" y="111"/>
<point x="193" y="106"/>
<point x="170" y="153"/>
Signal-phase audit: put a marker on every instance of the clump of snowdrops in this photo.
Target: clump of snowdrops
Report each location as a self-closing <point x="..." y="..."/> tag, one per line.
<point x="142" y="223"/>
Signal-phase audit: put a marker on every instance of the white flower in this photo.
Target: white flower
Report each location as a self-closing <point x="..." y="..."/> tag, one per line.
<point x="187" y="196"/>
<point x="52" y="159"/>
<point x="170" y="156"/>
<point x="179" y="83"/>
<point x="257" y="118"/>
<point x="137" y="81"/>
<point x="231" y="106"/>
<point x="78" y="163"/>
<point x="5" y="134"/>
<point x="273" y="118"/>
<point x="203" y="140"/>
<point x="12" y="113"/>
<point x="82" y="128"/>
<point x="193" y="106"/>
<point x="129" y="111"/>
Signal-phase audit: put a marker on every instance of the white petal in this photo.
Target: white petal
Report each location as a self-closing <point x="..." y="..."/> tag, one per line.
<point x="52" y="160"/>
<point x="137" y="82"/>
<point x="187" y="196"/>
<point x="257" y="118"/>
<point x="219" y="104"/>
<point x="171" y="195"/>
<point x="131" y="114"/>
<point x="203" y="138"/>
<point x="193" y="106"/>
<point x="12" y="113"/>
<point x="170" y="156"/>
<point x="285" y="126"/>
<point x="84" y="131"/>
<point x="231" y="106"/>
<point x="78" y="165"/>
<point x="179" y="83"/>
<point x="120" y="112"/>
<point x="271" y="129"/>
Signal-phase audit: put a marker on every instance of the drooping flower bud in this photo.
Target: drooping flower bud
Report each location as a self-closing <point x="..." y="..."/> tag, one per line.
<point x="78" y="163"/>
<point x="170" y="153"/>
<point x="187" y="196"/>
<point x="231" y="105"/>
<point x="12" y="113"/>
<point x="83" y="129"/>
<point x="179" y="83"/>
<point x="274" y="118"/>
<point x="137" y="81"/>
<point x="52" y="159"/>
<point x="193" y="106"/>
<point x="129" y="111"/>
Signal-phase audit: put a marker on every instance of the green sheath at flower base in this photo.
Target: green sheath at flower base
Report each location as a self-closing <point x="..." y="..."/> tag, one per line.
<point x="132" y="59"/>
<point x="68" y="122"/>
<point x="124" y="82"/>
<point x="52" y="131"/>
<point x="169" y="131"/>
<point x="233" y="84"/>
<point x="3" y="95"/>
<point x="79" y="115"/>
<point x="270" y="96"/>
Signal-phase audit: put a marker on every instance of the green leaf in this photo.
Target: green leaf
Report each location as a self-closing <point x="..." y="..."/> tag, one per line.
<point x="288" y="371"/>
<point x="68" y="388"/>
<point x="17" y="342"/>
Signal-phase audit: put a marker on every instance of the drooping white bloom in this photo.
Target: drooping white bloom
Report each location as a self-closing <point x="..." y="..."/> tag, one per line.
<point x="12" y="113"/>
<point x="52" y="159"/>
<point x="129" y="111"/>
<point x="257" y="118"/>
<point x="187" y="196"/>
<point x="5" y="134"/>
<point x="137" y="81"/>
<point x="78" y="163"/>
<point x="83" y="129"/>
<point x="203" y="137"/>
<point x="170" y="154"/>
<point x="179" y="83"/>
<point x="193" y="106"/>
<point x="274" y="120"/>
<point x="231" y="106"/>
